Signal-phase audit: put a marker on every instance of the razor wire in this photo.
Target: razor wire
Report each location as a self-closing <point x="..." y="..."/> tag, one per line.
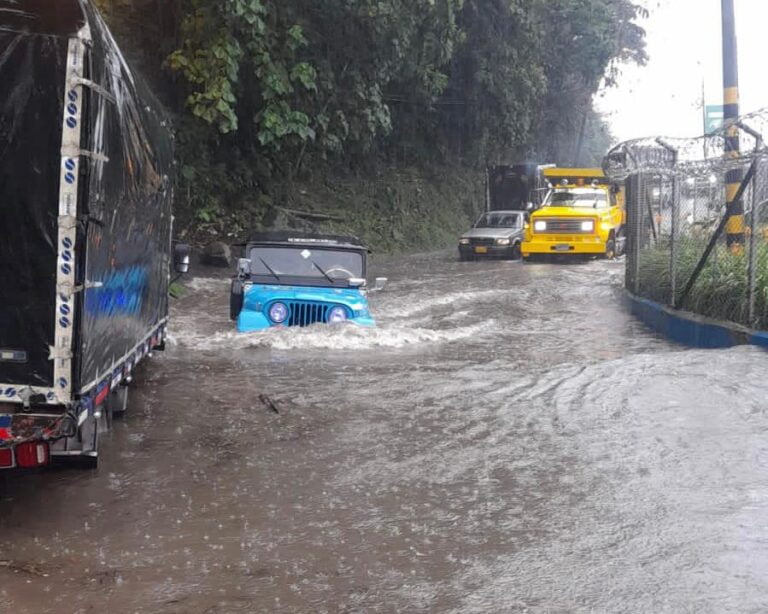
<point x="677" y="253"/>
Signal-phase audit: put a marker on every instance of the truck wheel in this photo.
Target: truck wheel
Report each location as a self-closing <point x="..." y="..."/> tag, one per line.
<point x="235" y="299"/>
<point x="621" y="244"/>
<point x="610" y="249"/>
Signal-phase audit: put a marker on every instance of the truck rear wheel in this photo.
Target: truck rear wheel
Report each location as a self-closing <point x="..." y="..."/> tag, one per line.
<point x="621" y="243"/>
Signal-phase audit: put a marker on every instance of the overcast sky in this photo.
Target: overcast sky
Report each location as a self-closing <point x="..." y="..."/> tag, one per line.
<point x="684" y="45"/>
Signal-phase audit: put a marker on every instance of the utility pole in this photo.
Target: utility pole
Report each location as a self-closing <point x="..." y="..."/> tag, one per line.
<point x="735" y="228"/>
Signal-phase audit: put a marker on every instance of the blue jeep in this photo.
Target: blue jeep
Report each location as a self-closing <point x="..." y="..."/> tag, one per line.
<point x="295" y="279"/>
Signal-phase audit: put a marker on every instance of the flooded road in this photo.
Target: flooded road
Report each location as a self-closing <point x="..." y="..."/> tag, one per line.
<point x="507" y="440"/>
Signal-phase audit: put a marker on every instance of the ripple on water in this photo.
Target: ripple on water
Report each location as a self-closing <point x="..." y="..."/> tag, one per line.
<point x="336" y="337"/>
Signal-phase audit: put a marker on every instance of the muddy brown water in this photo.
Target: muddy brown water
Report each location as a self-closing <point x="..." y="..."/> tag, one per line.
<point x="508" y="439"/>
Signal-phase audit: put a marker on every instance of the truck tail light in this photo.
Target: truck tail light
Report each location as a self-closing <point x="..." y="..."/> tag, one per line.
<point x="6" y="458"/>
<point x="35" y="454"/>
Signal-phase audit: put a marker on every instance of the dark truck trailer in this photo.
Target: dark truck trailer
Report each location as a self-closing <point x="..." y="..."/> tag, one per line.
<point x="516" y="187"/>
<point x="85" y="216"/>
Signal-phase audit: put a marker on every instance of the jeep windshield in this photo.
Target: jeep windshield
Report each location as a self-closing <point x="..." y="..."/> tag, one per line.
<point x="497" y="219"/>
<point x="318" y="265"/>
<point x="581" y="198"/>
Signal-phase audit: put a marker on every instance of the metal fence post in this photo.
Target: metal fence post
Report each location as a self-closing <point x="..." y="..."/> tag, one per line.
<point x="752" y="265"/>
<point x="640" y="193"/>
<point x="673" y="242"/>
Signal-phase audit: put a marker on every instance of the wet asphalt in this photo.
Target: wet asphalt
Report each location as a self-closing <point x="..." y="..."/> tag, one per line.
<point x="508" y="439"/>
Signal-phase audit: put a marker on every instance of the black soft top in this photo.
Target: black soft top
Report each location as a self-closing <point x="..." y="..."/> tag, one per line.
<point x="290" y="237"/>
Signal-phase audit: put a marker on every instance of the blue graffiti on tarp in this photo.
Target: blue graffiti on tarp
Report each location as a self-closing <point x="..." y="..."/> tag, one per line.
<point x="121" y="293"/>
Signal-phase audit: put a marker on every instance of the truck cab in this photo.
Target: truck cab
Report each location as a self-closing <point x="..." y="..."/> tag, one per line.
<point x="583" y="214"/>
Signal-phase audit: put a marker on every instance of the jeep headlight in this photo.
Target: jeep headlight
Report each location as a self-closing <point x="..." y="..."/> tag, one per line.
<point x="502" y="241"/>
<point x="463" y="241"/>
<point x="337" y="314"/>
<point x="539" y="225"/>
<point x="587" y="226"/>
<point x="278" y="312"/>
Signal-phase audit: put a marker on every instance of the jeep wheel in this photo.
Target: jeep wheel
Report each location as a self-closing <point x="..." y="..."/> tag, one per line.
<point x="235" y="299"/>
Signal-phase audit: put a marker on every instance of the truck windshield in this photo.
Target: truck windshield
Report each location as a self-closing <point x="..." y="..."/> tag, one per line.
<point x="322" y="264"/>
<point x="498" y="219"/>
<point x="582" y="198"/>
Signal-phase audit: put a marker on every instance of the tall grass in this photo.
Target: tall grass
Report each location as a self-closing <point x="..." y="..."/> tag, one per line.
<point x="721" y="290"/>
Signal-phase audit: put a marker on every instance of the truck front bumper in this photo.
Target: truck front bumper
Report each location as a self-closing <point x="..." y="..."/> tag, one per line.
<point x="489" y="251"/>
<point x="553" y="244"/>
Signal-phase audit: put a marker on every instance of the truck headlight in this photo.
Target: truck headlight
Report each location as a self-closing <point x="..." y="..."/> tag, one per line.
<point x="587" y="226"/>
<point x="539" y="225"/>
<point x="463" y="241"/>
<point x="337" y="314"/>
<point x="502" y="241"/>
<point x="278" y="313"/>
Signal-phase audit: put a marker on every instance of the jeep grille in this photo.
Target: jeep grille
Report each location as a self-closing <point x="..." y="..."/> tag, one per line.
<point x="306" y="313"/>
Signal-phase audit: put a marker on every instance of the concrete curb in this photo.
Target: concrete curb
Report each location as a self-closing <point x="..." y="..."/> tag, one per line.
<point x="691" y="329"/>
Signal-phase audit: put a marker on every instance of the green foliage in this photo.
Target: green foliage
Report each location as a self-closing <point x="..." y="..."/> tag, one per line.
<point x="267" y="91"/>
<point x="213" y="71"/>
<point x="583" y="44"/>
<point x="399" y="209"/>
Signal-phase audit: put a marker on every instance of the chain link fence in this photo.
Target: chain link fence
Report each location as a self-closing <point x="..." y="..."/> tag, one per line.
<point x="686" y="247"/>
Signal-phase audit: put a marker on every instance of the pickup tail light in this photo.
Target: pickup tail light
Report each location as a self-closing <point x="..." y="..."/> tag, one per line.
<point x="35" y="454"/>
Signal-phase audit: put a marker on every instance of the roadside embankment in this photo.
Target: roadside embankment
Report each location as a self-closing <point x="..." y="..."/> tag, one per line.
<point x="392" y="211"/>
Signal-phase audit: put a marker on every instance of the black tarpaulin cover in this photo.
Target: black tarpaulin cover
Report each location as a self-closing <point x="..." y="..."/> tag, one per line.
<point x="510" y="186"/>
<point x="122" y="248"/>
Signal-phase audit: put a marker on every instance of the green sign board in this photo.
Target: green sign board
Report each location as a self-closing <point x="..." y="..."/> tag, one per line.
<point x="713" y="117"/>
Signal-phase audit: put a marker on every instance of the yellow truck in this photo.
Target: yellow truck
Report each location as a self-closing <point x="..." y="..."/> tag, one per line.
<point x="583" y="213"/>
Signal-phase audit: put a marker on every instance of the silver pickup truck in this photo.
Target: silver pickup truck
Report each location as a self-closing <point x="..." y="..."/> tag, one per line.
<point x="497" y="234"/>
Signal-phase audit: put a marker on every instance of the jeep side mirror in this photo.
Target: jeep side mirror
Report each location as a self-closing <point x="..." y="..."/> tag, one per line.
<point x="381" y="283"/>
<point x="243" y="267"/>
<point x="181" y="258"/>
